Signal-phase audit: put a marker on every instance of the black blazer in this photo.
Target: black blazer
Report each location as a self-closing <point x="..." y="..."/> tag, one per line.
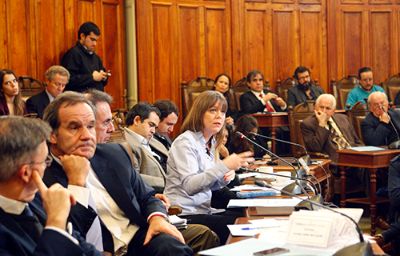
<point x="250" y="104"/>
<point x="113" y="167"/>
<point x="376" y="133"/>
<point x="296" y="95"/>
<point x="15" y="241"/>
<point x="37" y="103"/>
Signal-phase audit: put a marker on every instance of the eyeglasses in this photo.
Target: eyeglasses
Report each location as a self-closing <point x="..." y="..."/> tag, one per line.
<point x="48" y="161"/>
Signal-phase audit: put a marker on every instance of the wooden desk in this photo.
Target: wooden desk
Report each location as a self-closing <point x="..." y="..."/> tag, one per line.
<point x="321" y="172"/>
<point x="371" y="160"/>
<point x="272" y="121"/>
<point x="244" y="220"/>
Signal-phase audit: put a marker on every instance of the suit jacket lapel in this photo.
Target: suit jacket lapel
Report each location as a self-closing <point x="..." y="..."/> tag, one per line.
<point x="117" y="186"/>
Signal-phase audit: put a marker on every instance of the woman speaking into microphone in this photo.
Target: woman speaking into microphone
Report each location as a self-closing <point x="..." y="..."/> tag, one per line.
<point x="194" y="168"/>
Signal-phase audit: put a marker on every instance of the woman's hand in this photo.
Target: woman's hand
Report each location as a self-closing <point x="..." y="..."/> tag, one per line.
<point x="235" y="161"/>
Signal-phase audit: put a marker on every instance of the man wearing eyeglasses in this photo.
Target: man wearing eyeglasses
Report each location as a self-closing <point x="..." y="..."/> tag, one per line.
<point x="360" y="93"/>
<point x="56" y="79"/>
<point x="24" y="227"/>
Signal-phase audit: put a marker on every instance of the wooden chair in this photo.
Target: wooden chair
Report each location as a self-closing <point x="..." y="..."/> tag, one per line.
<point x="30" y="86"/>
<point x="118" y="119"/>
<point x="392" y="87"/>
<point x="192" y="89"/>
<point x="342" y="88"/>
<point x="296" y="115"/>
<point x="283" y="87"/>
<point x="356" y="115"/>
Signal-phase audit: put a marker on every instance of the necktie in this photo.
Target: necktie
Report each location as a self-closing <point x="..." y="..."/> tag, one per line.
<point x="268" y="105"/>
<point x="94" y="235"/>
<point x="337" y="138"/>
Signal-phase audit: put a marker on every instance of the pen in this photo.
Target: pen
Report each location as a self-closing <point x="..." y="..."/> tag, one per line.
<point x="249" y="228"/>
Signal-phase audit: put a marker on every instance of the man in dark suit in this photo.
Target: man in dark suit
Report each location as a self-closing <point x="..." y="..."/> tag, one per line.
<point x="258" y="99"/>
<point x="56" y="79"/>
<point x="381" y="126"/>
<point x="304" y="89"/>
<point x="325" y="131"/>
<point x="24" y="227"/>
<point x="103" y="180"/>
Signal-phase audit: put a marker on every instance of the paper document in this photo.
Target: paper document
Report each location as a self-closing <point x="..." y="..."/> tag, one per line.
<point x="276" y="202"/>
<point x="250" y="188"/>
<point x="366" y="148"/>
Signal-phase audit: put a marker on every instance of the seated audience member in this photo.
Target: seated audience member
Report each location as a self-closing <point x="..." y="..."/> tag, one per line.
<point x="304" y="89"/>
<point x="381" y="126"/>
<point x="198" y="237"/>
<point x="325" y="131"/>
<point x="24" y="227"/>
<point x="11" y="102"/>
<point x="56" y="79"/>
<point x="221" y="146"/>
<point x="193" y="168"/>
<point x="397" y="100"/>
<point x="222" y="84"/>
<point x="366" y="87"/>
<point x="258" y="99"/>
<point x="142" y="120"/>
<point x="116" y="210"/>
<point x="247" y="125"/>
<point x="169" y="117"/>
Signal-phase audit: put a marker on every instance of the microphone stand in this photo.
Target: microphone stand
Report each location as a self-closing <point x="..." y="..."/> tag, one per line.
<point x="360" y="248"/>
<point x="290" y="187"/>
<point x="307" y="157"/>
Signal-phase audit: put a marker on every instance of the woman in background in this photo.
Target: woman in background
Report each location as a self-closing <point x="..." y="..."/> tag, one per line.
<point x="193" y="168"/>
<point x="247" y="125"/>
<point x="222" y="84"/>
<point x="11" y="102"/>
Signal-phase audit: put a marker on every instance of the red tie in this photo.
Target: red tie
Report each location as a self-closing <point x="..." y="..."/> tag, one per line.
<point x="268" y="105"/>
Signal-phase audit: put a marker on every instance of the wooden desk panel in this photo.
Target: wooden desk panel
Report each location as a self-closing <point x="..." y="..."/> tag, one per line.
<point x="272" y="121"/>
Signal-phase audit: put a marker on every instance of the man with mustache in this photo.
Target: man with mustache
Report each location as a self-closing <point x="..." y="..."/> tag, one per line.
<point x="132" y="220"/>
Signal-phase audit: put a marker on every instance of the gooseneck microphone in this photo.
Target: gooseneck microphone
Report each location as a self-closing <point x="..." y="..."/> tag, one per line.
<point x="307" y="158"/>
<point x="242" y="136"/>
<point x="361" y="248"/>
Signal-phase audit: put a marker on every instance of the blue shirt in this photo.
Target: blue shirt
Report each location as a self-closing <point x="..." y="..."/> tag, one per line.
<point x="359" y="94"/>
<point x="192" y="173"/>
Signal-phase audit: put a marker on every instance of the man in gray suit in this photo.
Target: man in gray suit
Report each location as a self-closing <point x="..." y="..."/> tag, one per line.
<point x="142" y="120"/>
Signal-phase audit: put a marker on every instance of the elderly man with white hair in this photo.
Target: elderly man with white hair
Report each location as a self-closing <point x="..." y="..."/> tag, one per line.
<point x="327" y="131"/>
<point x="381" y="126"/>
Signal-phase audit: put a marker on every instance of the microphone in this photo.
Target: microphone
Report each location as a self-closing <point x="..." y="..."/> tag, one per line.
<point x="291" y="187"/>
<point x="360" y="248"/>
<point x="306" y="158"/>
<point x="394" y="144"/>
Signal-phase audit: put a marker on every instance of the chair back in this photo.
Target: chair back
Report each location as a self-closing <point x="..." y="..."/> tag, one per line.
<point x="356" y="115"/>
<point x="118" y="119"/>
<point x="193" y="89"/>
<point x="282" y="87"/>
<point x="392" y="87"/>
<point x="296" y="115"/>
<point x="342" y="88"/>
<point x="30" y="86"/>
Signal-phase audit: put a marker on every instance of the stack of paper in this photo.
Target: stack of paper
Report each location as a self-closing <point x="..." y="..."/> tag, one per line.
<point x="179" y="223"/>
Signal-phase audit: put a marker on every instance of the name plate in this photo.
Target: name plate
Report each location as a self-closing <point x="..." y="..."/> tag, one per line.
<point x="309" y="230"/>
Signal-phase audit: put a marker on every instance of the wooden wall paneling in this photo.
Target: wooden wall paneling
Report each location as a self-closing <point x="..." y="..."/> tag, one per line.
<point x="218" y="41"/>
<point x="191" y="47"/>
<point x="380" y="1"/>
<point x="257" y="48"/>
<point x="114" y="59"/>
<point x="18" y="36"/>
<point x="286" y="42"/>
<point x="3" y="35"/>
<point x="313" y="45"/>
<point x="381" y="46"/>
<point x="238" y="31"/>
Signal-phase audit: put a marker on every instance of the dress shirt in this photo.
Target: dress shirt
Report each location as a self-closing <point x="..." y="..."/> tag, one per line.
<point x="143" y="141"/>
<point x="193" y="173"/>
<point x="51" y="98"/>
<point x="16" y="207"/>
